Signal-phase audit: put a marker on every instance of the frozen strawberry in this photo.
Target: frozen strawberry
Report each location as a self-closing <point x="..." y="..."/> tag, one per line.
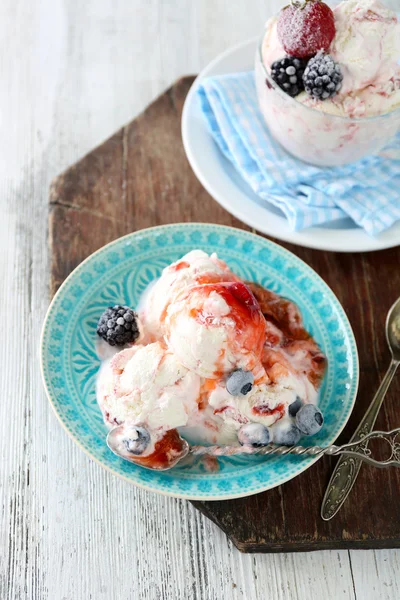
<point x="306" y="27"/>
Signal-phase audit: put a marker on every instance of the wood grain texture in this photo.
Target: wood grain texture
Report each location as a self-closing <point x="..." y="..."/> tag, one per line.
<point x="136" y="173"/>
<point x="138" y="178"/>
<point x="72" y="73"/>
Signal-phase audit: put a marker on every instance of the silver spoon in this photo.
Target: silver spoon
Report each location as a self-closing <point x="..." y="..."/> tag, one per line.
<point x="347" y="469"/>
<point x="122" y="438"/>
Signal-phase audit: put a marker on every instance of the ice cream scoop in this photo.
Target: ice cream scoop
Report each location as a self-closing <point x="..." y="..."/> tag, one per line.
<point x="265" y="403"/>
<point x="366" y="44"/>
<point x="147" y="384"/>
<point x="216" y="328"/>
<point x="195" y="267"/>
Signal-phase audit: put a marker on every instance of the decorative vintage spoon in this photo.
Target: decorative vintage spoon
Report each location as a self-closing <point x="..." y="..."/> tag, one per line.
<point x="347" y="468"/>
<point x="358" y="451"/>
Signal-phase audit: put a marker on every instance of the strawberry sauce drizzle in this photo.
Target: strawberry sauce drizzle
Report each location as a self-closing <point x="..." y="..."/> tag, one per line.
<point x="244" y="311"/>
<point x="286" y="316"/>
<point x="265" y="411"/>
<point x="179" y="266"/>
<point x="167" y="448"/>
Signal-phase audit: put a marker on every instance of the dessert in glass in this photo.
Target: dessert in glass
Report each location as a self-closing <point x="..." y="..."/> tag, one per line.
<point x="209" y="357"/>
<point x="328" y="81"/>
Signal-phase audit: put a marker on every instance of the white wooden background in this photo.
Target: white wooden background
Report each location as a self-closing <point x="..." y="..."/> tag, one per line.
<point x="72" y="72"/>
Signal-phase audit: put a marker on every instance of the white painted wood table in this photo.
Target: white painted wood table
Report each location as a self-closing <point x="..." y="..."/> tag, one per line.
<point x="72" y="72"/>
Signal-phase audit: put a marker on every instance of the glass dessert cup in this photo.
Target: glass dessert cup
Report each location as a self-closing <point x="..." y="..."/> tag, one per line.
<point x="316" y="137"/>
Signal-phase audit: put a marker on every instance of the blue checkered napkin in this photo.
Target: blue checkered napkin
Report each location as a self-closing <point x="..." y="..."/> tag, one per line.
<point x="368" y="191"/>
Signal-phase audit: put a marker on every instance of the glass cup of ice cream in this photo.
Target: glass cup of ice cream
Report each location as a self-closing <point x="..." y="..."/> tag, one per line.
<point x="328" y="82"/>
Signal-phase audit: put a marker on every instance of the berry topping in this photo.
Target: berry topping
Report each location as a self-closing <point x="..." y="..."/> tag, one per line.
<point x="322" y="78"/>
<point x="254" y="434"/>
<point x="138" y="440"/>
<point x="287" y="437"/>
<point x="309" y="419"/>
<point x="242" y="293"/>
<point x="118" y="325"/>
<point x="288" y="74"/>
<point x="239" y="382"/>
<point x="295" y="407"/>
<point x="306" y="27"/>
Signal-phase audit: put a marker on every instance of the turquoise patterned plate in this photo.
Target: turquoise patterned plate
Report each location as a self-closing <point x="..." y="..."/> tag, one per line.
<point x="118" y="274"/>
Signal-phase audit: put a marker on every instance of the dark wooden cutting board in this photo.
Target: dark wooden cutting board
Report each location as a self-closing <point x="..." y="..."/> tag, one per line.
<point x="139" y="178"/>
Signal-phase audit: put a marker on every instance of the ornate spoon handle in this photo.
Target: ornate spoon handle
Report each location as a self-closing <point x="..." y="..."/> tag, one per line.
<point x="357" y="450"/>
<point x="347" y="468"/>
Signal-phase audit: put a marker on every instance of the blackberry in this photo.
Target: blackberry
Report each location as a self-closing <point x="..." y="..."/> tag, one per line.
<point x="118" y="325"/>
<point x="323" y="77"/>
<point x="288" y="74"/>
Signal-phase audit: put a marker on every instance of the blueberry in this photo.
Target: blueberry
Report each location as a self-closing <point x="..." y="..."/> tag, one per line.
<point x="239" y="382"/>
<point x="138" y="442"/>
<point x="309" y="419"/>
<point x="287" y="437"/>
<point x="295" y="407"/>
<point x="254" y="434"/>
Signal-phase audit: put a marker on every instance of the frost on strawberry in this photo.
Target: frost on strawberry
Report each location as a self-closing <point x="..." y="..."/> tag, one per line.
<point x="304" y="28"/>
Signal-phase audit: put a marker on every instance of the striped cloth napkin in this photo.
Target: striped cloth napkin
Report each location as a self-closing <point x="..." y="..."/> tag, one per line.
<point x="368" y="191"/>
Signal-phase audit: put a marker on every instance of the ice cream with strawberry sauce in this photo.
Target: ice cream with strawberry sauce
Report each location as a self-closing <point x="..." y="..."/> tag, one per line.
<point x="217" y="360"/>
<point x="195" y="267"/>
<point x="214" y="328"/>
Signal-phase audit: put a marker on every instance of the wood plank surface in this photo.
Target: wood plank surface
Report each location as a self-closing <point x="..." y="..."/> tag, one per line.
<point x="72" y="73"/>
<point x="134" y="180"/>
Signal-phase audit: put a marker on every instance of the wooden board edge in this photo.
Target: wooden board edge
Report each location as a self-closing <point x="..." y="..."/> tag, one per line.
<point x="272" y="547"/>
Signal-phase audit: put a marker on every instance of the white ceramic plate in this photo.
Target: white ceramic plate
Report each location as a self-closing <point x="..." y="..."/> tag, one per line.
<point x="227" y="187"/>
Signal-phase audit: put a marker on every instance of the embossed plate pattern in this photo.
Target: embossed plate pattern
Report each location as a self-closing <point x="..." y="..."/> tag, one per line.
<point x="118" y="273"/>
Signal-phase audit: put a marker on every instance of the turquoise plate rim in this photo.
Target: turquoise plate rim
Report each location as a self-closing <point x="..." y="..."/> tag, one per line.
<point x="234" y="231"/>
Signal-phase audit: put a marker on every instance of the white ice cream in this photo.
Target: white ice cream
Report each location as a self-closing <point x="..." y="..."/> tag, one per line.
<point x="264" y="404"/>
<point x="366" y="44"/>
<point x="270" y="398"/>
<point x="203" y="328"/>
<point x="202" y="349"/>
<point x="194" y="267"/>
<point x="147" y="385"/>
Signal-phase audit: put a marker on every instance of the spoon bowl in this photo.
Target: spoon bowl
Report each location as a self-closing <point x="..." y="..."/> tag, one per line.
<point x="393" y="330"/>
<point x="126" y="442"/>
